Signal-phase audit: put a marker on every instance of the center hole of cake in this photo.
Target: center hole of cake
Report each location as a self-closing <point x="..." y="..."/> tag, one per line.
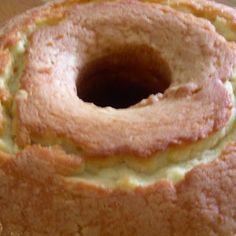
<point x="123" y="78"/>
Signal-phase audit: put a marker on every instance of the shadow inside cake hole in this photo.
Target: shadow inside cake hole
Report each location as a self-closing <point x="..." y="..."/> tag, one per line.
<point x="123" y="78"/>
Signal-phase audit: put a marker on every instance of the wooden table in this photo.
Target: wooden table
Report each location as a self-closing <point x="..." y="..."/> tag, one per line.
<point x="9" y="8"/>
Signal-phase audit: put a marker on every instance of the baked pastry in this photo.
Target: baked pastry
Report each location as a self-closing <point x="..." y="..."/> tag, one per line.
<point x="118" y="118"/>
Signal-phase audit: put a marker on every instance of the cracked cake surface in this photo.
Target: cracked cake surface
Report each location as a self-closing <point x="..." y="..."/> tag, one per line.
<point x="118" y="118"/>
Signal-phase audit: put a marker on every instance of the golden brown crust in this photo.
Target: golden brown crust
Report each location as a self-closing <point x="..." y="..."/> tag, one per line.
<point x="139" y="131"/>
<point x="44" y="200"/>
<point x="39" y="191"/>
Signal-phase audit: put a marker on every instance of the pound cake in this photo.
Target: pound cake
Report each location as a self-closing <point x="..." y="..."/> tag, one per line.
<point x="117" y="118"/>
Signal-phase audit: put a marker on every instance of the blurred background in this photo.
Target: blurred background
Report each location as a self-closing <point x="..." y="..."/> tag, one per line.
<point x="9" y="8"/>
<point x="229" y="2"/>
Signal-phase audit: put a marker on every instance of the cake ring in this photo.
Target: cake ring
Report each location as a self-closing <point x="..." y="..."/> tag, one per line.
<point x="118" y="118"/>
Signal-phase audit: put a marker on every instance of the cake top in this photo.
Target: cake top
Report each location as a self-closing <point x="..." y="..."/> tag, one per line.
<point x="138" y="84"/>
